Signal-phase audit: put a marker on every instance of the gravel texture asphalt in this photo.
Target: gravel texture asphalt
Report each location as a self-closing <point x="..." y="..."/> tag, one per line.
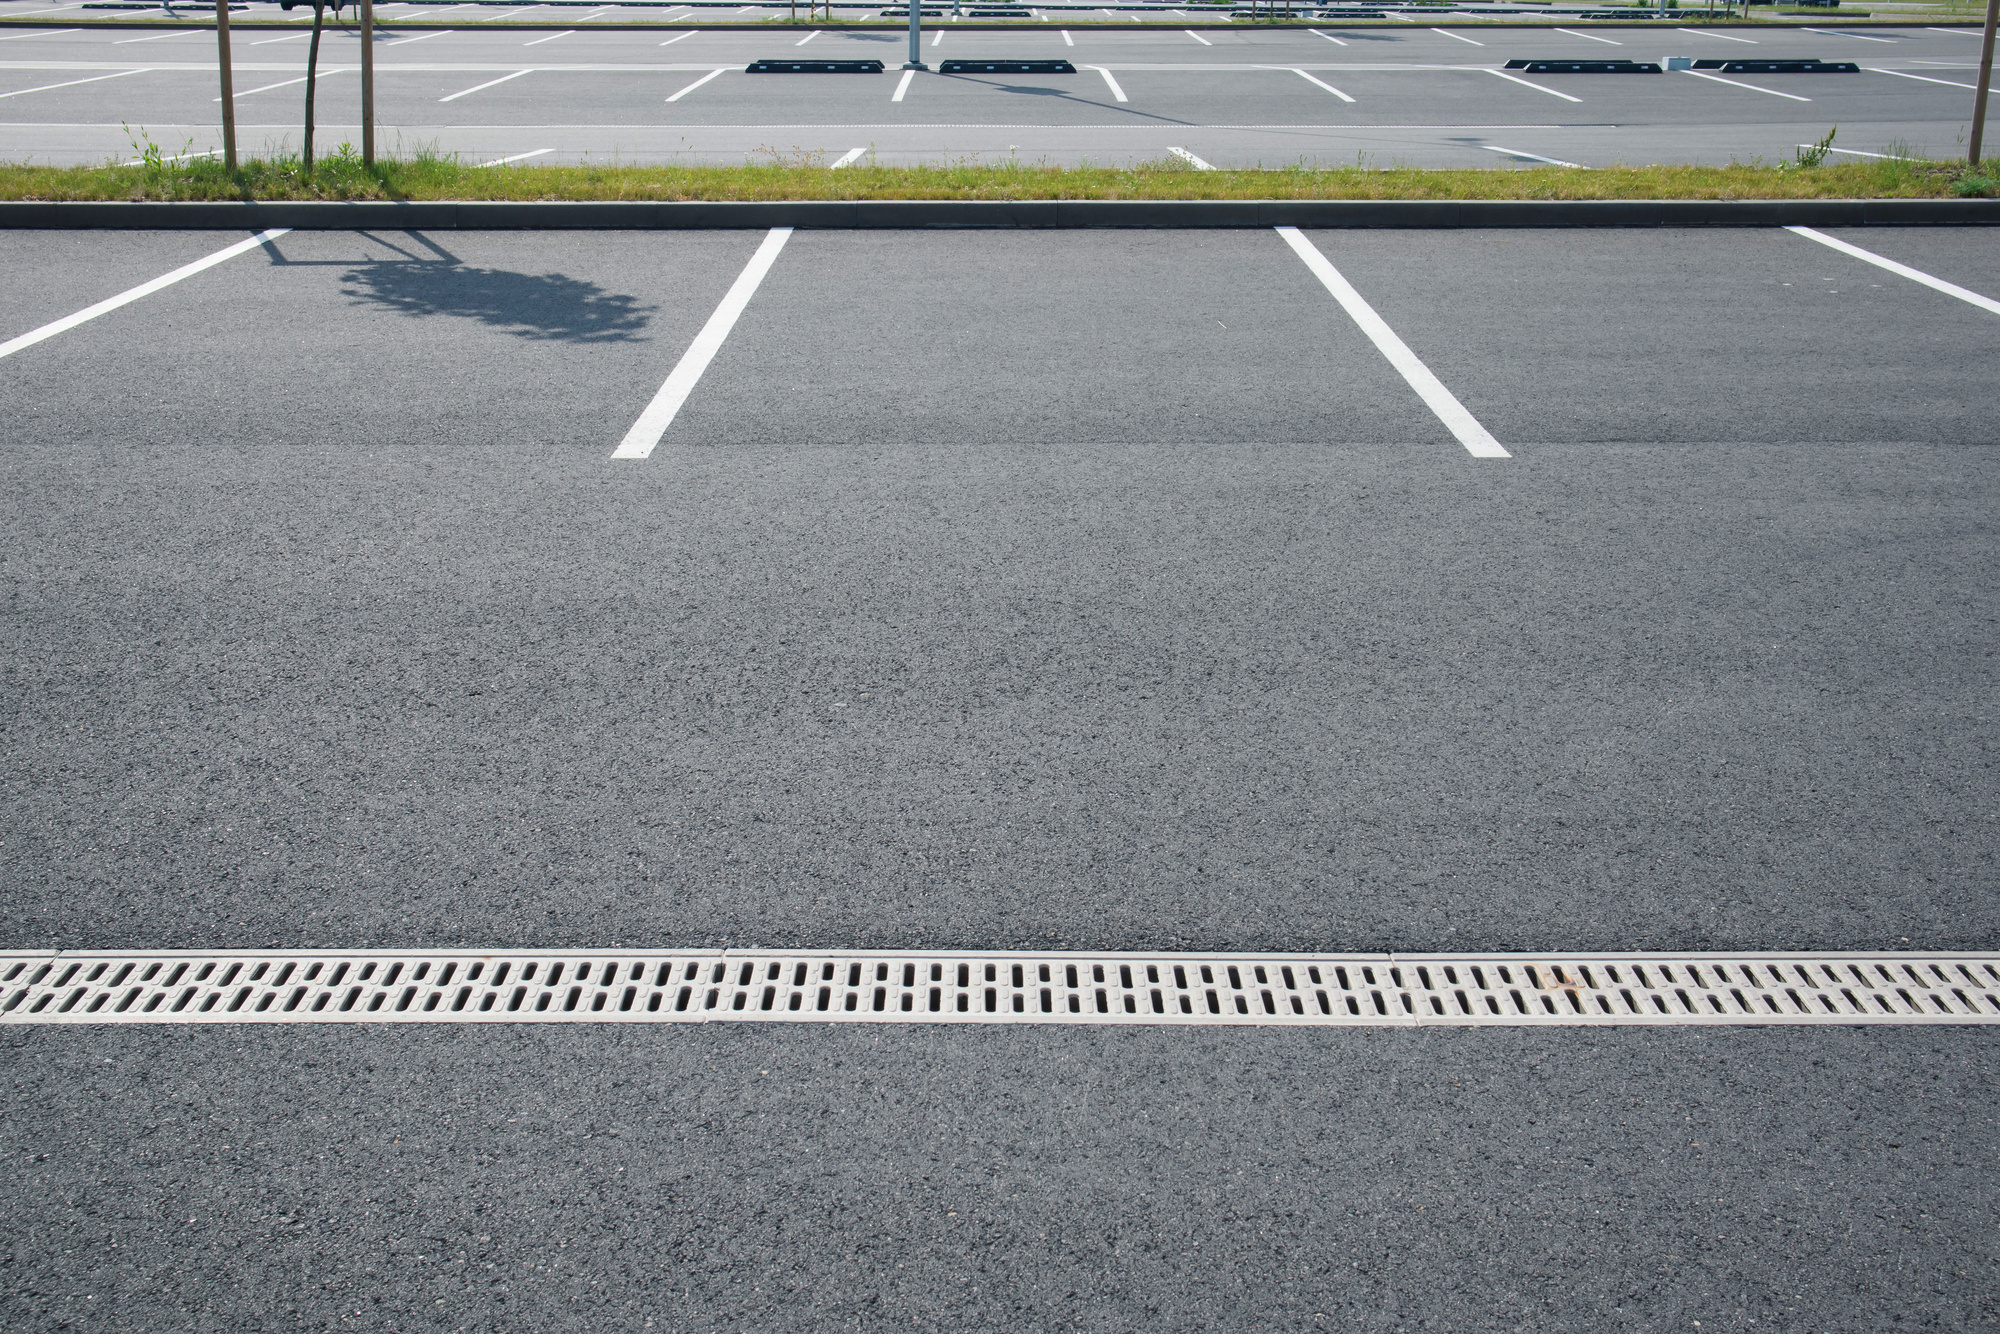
<point x="1073" y="590"/>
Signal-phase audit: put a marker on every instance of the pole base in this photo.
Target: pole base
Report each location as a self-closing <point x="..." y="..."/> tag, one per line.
<point x="916" y="64"/>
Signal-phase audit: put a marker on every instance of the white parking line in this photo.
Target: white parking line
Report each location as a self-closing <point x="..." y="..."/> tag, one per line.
<point x="939" y="38"/>
<point x="1462" y="39"/>
<point x="1923" y="78"/>
<point x="509" y="14"/>
<point x="1321" y="82"/>
<point x="1829" y="32"/>
<point x="1478" y="441"/>
<point x="1590" y="36"/>
<point x="126" y="298"/>
<point x="1067" y="39"/>
<point x="659" y="414"/>
<point x="683" y="37"/>
<point x="1329" y="36"/>
<point x="1892" y="157"/>
<point x="801" y="42"/>
<point x="295" y="37"/>
<point x="1116" y="91"/>
<point x="1188" y="157"/>
<point x="551" y="37"/>
<point x="1751" y="86"/>
<point x="714" y="73"/>
<point x="1962" y="32"/>
<point x="45" y="32"/>
<point x="903" y="85"/>
<point x="503" y="161"/>
<point x="176" y="157"/>
<point x="95" y="78"/>
<point x="849" y="156"/>
<point x="469" y="91"/>
<point x="1914" y="275"/>
<point x="1198" y="37"/>
<point x="1536" y="86"/>
<point x="1699" y="32"/>
<point x="420" y="37"/>
<point x="1537" y="157"/>
<point x="156" y="37"/>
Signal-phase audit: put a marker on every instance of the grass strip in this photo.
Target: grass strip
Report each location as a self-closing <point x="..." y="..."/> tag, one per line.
<point x="434" y="176"/>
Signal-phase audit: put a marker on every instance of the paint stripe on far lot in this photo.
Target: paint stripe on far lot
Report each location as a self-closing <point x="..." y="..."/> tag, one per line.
<point x="126" y="298"/>
<point x="1478" y="441"/>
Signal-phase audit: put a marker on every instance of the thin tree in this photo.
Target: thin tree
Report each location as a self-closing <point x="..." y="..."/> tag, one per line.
<point x="312" y="79"/>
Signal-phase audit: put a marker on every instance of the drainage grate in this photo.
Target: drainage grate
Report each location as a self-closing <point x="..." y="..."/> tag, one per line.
<point x="1382" y="990"/>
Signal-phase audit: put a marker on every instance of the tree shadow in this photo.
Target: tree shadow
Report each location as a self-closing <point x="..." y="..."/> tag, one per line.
<point x="549" y="306"/>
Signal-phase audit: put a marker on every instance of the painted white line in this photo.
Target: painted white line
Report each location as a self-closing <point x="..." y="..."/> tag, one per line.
<point x="1116" y="91"/>
<point x="551" y="37"/>
<point x="683" y="37"/>
<point x="714" y="73"/>
<point x="509" y="14"/>
<point x="1590" y="36"/>
<point x="1914" y="275"/>
<point x="1536" y="86"/>
<point x="1829" y="32"/>
<point x="156" y="37"/>
<point x="1702" y="32"/>
<point x="1198" y="37"/>
<point x="1477" y="440"/>
<point x="939" y="38"/>
<point x="420" y="37"/>
<point x="1329" y="36"/>
<point x="903" y="85"/>
<point x="801" y="42"/>
<point x="482" y="87"/>
<point x="177" y="157"/>
<point x="1922" y="78"/>
<point x="126" y="298"/>
<point x="1322" y="83"/>
<point x="503" y="161"/>
<point x="1892" y="157"/>
<point x="1067" y="39"/>
<point x="849" y="156"/>
<point x="1188" y="157"/>
<point x="45" y="32"/>
<point x="272" y="41"/>
<point x="1717" y="78"/>
<point x="645" y="434"/>
<point x="288" y="83"/>
<point x="1552" y="161"/>
<point x="1467" y="40"/>
<point x="1962" y="32"/>
<point x="95" y="78"/>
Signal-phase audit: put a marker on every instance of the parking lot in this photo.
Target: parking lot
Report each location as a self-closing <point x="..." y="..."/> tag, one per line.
<point x="1328" y="96"/>
<point x="1058" y="590"/>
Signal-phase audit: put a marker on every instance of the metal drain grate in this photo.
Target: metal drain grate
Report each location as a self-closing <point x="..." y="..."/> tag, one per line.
<point x="1381" y="990"/>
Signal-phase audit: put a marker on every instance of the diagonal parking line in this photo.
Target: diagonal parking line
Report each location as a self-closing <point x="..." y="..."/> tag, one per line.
<point x="645" y="434"/>
<point x="1537" y="157"/>
<point x="1949" y="83"/>
<point x="1322" y="83"/>
<point x="1478" y="441"/>
<point x="1717" y="78"/>
<point x="1193" y="161"/>
<point x="50" y="87"/>
<point x="1902" y="270"/>
<point x="480" y="88"/>
<point x="126" y="298"/>
<point x="1116" y="91"/>
<point x="714" y="73"/>
<point x="1512" y="78"/>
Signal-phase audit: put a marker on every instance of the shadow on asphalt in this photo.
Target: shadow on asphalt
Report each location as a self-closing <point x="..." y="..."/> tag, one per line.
<point x="542" y="306"/>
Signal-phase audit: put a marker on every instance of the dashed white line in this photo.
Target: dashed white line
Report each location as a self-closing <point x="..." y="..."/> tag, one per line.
<point x="1590" y="36"/>
<point x="1190" y="158"/>
<point x="645" y="434"/>
<point x="1198" y="37"/>
<point x="1904" y="270"/>
<point x="1515" y="152"/>
<point x="469" y="91"/>
<point x="551" y="37"/>
<point x="1478" y="441"/>
<point x="1466" y="40"/>
<point x="903" y="85"/>
<point x="849" y="156"/>
<point x="714" y="73"/>
<point x="1321" y="82"/>
<point x="95" y="78"/>
<point x="1116" y="91"/>
<point x="503" y="161"/>
<point x="1699" y="32"/>
<point x="1536" y="86"/>
<point x="126" y="298"/>
<point x="1924" y="78"/>
<point x="1717" y="78"/>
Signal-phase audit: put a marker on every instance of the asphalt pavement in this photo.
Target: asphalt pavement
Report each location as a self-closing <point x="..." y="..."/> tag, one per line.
<point x="1053" y="590"/>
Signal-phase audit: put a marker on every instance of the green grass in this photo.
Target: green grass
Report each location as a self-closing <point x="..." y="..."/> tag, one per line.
<point x="432" y="176"/>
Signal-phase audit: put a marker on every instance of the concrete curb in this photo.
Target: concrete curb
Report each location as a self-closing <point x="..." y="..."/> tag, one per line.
<point x="907" y="214"/>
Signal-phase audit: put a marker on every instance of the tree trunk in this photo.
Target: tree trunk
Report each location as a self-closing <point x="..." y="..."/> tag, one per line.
<point x="312" y="80"/>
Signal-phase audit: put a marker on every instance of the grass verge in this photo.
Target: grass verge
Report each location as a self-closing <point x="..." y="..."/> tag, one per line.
<point x="428" y="176"/>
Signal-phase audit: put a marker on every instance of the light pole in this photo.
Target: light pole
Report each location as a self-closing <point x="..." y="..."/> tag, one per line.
<point x="916" y="60"/>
